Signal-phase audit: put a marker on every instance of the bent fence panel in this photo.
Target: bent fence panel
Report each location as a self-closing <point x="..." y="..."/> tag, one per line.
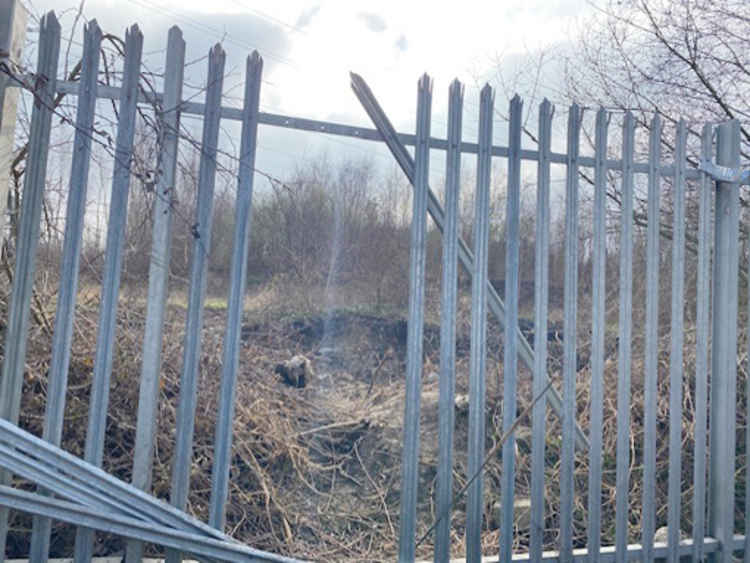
<point x="565" y="430"/>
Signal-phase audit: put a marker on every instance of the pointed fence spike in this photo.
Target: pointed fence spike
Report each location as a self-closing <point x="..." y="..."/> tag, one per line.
<point x="510" y="355"/>
<point x="598" y="322"/>
<point x="625" y="337"/>
<point x="477" y="365"/>
<point x="27" y="237"/>
<point x="446" y="407"/>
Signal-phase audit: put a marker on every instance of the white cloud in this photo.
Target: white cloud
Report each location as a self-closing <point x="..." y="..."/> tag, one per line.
<point x="310" y="49"/>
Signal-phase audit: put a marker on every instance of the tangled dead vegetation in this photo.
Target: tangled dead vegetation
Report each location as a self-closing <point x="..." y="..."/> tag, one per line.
<point x="316" y="470"/>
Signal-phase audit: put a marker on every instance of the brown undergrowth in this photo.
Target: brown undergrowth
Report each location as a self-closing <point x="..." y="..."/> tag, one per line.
<point x="316" y="471"/>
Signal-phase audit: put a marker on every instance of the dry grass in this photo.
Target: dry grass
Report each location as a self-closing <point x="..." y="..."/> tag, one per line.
<point x="315" y="471"/>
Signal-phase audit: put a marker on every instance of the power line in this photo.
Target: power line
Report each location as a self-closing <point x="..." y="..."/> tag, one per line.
<point x="270" y="18"/>
<point x="200" y="26"/>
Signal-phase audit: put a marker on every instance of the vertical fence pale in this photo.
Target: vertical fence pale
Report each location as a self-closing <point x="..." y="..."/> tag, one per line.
<point x="676" y="349"/>
<point x="236" y="299"/>
<point x="541" y="308"/>
<point x="71" y="253"/>
<point x="651" y="337"/>
<point x="477" y="361"/>
<point x="625" y="327"/>
<point x="598" y="322"/>
<point x="414" y="343"/>
<point x="448" y="303"/>
<point x="510" y="355"/>
<point x="570" y="306"/>
<point x="99" y="400"/>
<point x="702" y="303"/>
<point x="158" y="271"/>
<point x="16" y="330"/>
<point x="182" y="460"/>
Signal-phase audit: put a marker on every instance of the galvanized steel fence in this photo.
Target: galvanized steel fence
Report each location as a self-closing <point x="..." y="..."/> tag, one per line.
<point x="76" y="491"/>
<point x="714" y="536"/>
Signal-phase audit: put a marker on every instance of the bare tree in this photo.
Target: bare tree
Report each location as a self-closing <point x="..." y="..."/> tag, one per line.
<point x="681" y="60"/>
<point x="686" y="60"/>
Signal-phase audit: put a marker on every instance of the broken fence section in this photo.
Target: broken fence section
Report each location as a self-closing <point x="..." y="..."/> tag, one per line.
<point x="84" y="495"/>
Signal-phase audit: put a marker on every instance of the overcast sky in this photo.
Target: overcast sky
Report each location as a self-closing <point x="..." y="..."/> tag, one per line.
<point x="309" y="48"/>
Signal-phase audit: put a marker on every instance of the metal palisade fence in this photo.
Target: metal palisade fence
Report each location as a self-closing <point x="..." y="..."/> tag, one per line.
<point x="77" y="491"/>
<point x="717" y="184"/>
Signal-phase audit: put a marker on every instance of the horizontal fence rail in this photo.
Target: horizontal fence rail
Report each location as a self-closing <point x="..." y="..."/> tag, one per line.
<point x="343" y="130"/>
<point x="624" y="377"/>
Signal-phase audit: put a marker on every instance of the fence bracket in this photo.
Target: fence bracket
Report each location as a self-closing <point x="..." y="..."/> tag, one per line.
<point x="724" y="173"/>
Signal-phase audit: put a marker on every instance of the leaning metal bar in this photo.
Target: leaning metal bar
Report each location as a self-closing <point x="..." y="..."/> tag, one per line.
<point x="477" y="384"/>
<point x="650" y="388"/>
<point x="14" y="361"/>
<point x="676" y="351"/>
<point x="446" y="406"/>
<point x="53" y="480"/>
<point x="598" y="322"/>
<point x="43" y="464"/>
<point x="541" y="302"/>
<point x="701" y="350"/>
<point x="363" y="133"/>
<point x="57" y="378"/>
<point x="567" y="489"/>
<point x="724" y="351"/>
<point x="510" y="355"/>
<point x="625" y="330"/>
<point x="140" y="501"/>
<point x="99" y="400"/>
<point x="90" y="518"/>
<point x="410" y="450"/>
<point x="158" y="277"/>
<point x="182" y="461"/>
<point x="235" y="302"/>
<point x="405" y="161"/>
<point x="74" y="469"/>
